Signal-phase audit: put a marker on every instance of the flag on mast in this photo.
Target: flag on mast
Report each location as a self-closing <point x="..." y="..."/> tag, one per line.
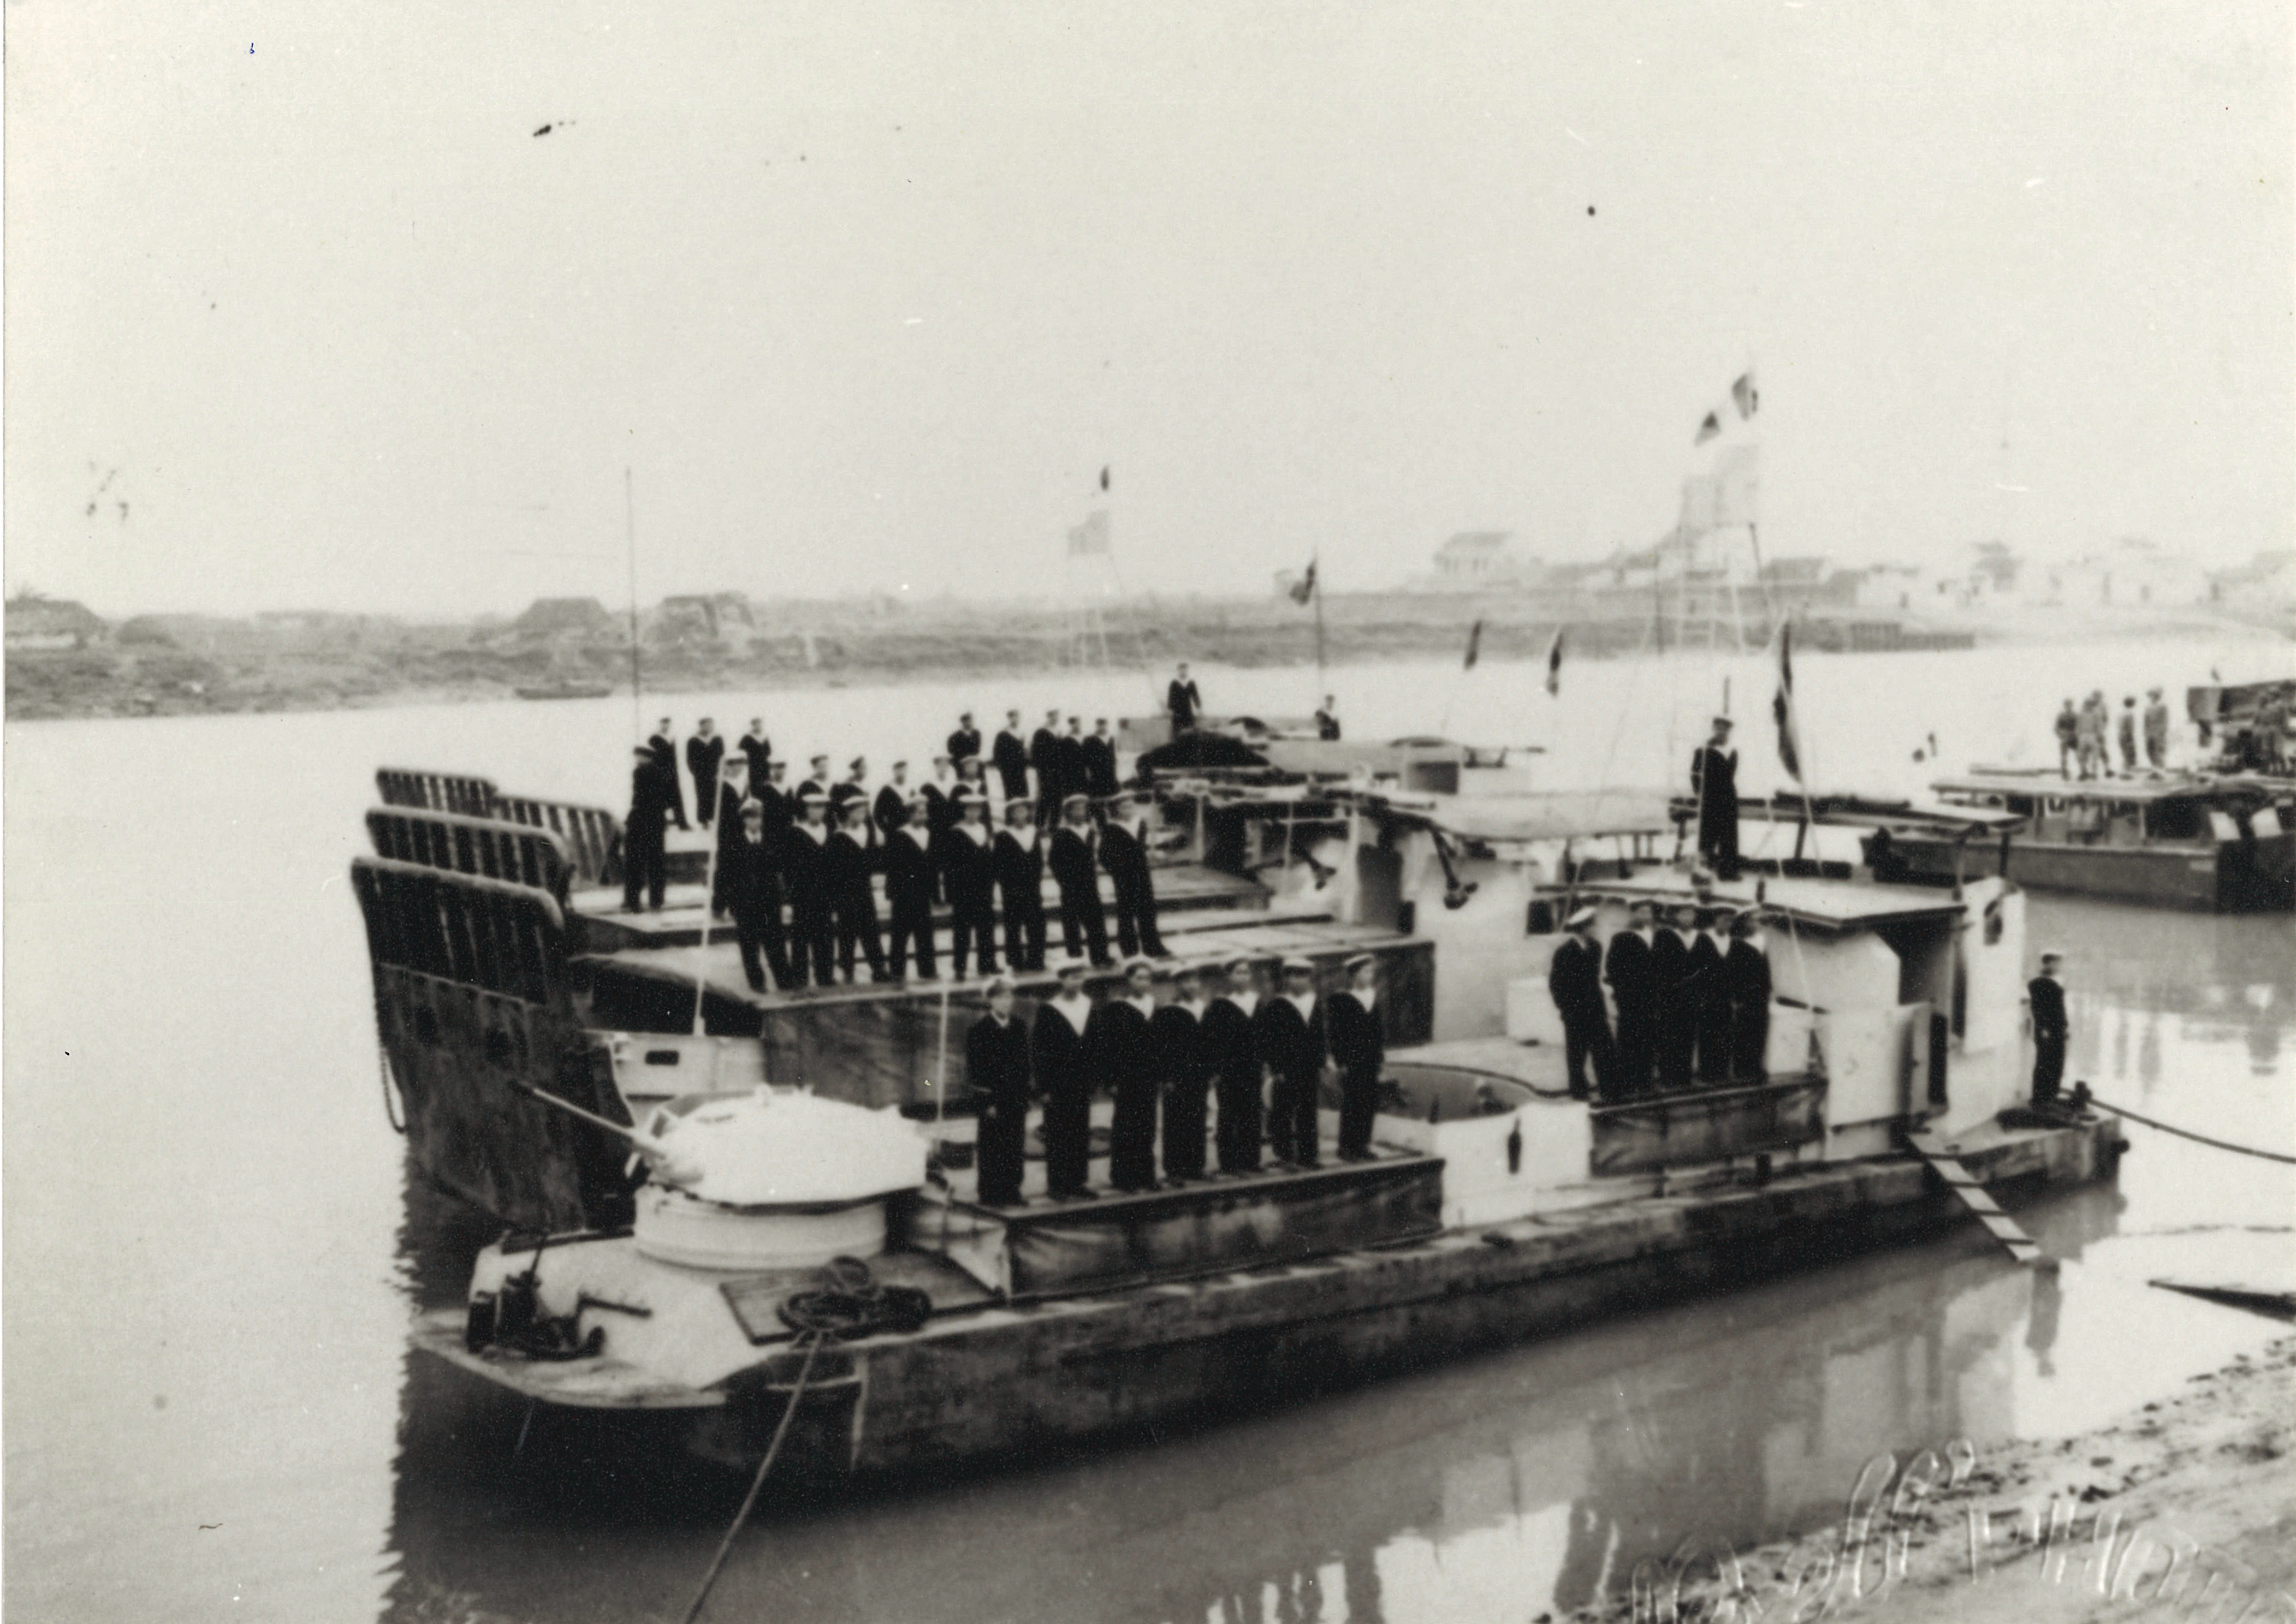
<point x="1554" y="665"/>
<point x="1304" y="588"/>
<point x="1103" y="476"/>
<point x="1782" y="706"/>
<point x="1744" y="396"/>
<point x="1709" y="428"/>
<point x="1474" y="644"/>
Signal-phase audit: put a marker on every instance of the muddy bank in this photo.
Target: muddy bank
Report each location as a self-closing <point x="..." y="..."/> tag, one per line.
<point x="2188" y="1503"/>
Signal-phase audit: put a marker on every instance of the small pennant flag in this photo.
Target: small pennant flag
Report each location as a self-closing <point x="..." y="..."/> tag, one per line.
<point x="1304" y="588"/>
<point x="1554" y="665"/>
<point x="1782" y="706"/>
<point x="1707" y="430"/>
<point x="1745" y="396"/>
<point x="1103" y="477"/>
<point x="1474" y="645"/>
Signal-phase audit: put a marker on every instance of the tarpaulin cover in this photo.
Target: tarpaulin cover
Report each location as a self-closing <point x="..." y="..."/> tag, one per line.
<point x="1217" y="1226"/>
<point x="1682" y="1129"/>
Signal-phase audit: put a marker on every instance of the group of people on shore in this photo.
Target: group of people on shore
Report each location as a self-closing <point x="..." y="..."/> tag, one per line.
<point x="1692" y="1001"/>
<point x="1218" y="1041"/>
<point x="796" y="868"/>
<point x="2085" y="736"/>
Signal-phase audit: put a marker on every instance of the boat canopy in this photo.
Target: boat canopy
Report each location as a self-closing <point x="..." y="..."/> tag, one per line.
<point x="2123" y="791"/>
<point x="1832" y="905"/>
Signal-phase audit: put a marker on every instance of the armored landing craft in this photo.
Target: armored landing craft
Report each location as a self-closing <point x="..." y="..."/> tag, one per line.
<point x="538" y="1035"/>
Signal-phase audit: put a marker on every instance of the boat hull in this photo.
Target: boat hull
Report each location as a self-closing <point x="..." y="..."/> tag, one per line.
<point x="1004" y="1382"/>
<point x="2229" y="876"/>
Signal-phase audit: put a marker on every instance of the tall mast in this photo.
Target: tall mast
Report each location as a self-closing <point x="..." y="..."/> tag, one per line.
<point x="630" y="529"/>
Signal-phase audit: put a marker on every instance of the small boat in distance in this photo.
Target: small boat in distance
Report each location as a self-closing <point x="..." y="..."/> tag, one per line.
<point x="565" y="689"/>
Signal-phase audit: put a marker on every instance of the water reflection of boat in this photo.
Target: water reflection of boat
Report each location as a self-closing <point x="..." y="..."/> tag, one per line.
<point x="1495" y="1208"/>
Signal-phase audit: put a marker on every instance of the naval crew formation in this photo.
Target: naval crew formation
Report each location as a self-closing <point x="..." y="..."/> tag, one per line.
<point x="1218" y="1041"/>
<point x="1693" y="1000"/>
<point x="797" y="868"/>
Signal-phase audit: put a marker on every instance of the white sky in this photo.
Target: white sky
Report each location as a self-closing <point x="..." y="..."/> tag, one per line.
<point x="867" y="293"/>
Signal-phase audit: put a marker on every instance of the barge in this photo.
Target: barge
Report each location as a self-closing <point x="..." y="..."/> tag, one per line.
<point x="535" y="1031"/>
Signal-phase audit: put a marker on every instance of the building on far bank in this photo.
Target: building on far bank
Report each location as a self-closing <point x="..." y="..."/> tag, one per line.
<point x="1475" y="561"/>
<point x="37" y="622"/>
<point x="566" y="620"/>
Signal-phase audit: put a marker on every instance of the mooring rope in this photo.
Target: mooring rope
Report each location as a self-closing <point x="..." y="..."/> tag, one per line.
<point x="2186" y="1133"/>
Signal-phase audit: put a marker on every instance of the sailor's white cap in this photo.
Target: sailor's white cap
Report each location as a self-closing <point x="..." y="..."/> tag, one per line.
<point x="1071" y="963"/>
<point x="1579" y="916"/>
<point x="1300" y="964"/>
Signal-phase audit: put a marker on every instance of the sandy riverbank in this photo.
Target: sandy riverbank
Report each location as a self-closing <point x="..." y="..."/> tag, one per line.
<point x="2143" y="1515"/>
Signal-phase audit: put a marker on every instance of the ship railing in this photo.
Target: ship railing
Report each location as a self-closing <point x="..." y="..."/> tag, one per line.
<point x="460" y="793"/>
<point x="505" y="938"/>
<point x="591" y="837"/>
<point x="487" y="847"/>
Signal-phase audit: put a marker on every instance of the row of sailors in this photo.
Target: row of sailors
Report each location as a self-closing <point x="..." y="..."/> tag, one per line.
<point x="1053" y="763"/>
<point x="1260" y="1058"/>
<point x="813" y="854"/>
<point x="1692" y="1001"/>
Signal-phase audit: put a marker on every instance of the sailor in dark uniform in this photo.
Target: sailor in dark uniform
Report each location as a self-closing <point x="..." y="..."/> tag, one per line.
<point x="1712" y="1014"/>
<point x="654" y="787"/>
<point x="1746" y="983"/>
<point x="1057" y="1055"/>
<point x="1184" y="1067"/>
<point x="817" y="781"/>
<point x="890" y="808"/>
<point x="964" y="744"/>
<point x="1673" y="979"/>
<point x="750" y="872"/>
<point x="1122" y="1057"/>
<point x="847" y="856"/>
<point x="850" y="791"/>
<point x="1099" y="756"/>
<point x="768" y="790"/>
<point x="2046" y="995"/>
<point x="733" y="775"/>
<point x="909" y="861"/>
<point x="1232" y="1045"/>
<point x="704" y="752"/>
<point x="1182" y="701"/>
<point x="1292" y="1042"/>
<point x="1327" y="718"/>
<point x="1714" y="780"/>
<point x="1124" y="853"/>
<point x="1045" y="756"/>
<point x="1021" y="885"/>
<point x="1355" y="1028"/>
<point x="996" y="1070"/>
<point x="1010" y="754"/>
<point x="1070" y="750"/>
<point x="968" y="874"/>
<point x="1633" y="987"/>
<point x="1074" y="858"/>
<point x="757" y="748"/>
<point x="1574" y="980"/>
<point x="940" y="793"/>
<point x="805" y="869"/>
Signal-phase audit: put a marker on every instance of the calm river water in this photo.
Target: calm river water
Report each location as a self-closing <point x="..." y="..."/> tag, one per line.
<point x="210" y="1411"/>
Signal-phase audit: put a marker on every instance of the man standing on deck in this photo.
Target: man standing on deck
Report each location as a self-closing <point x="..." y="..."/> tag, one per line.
<point x="1074" y="858"/>
<point x="733" y="791"/>
<point x="1184" y="1067"/>
<point x="1574" y="980"/>
<point x="853" y="791"/>
<point x="1232" y="1045"/>
<point x="768" y="790"/>
<point x="968" y="874"/>
<point x="2094" y="760"/>
<point x="1714" y="780"/>
<point x="1292" y="1041"/>
<point x="805" y="870"/>
<point x="890" y="809"/>
<point x="1045" y="756"/>
<point x="2046" y="995"/>
<point x="1010" y="755"/>
<point x="1327" y="719"/>
<point x="1182" y="701"/>
<point x="1072" y="759"/>
<point x="1713" y="1014"/>
<point x="940" y="793"/>
<point x="996" y="1070"/>
<point x="1057" y="1052"/>
<point x="664" y="745"/>
<point x="654" y="793"/>
<point x="750" y="873"/>
<point x="909" y="862"/>
<point x="2156" y="730"/>
<point x="1673" y="979"/>
<point x="1633" y="986"/>
<point x="846" y="861"/>
<point x="2129" y="735"/>
<point x="1121" y="1053"/>
<point x="2068" y="740"/>
<point x="757" y="748"/>
<point x="704" y="752"/>
<point x="1124" y="853"/>
<point x="1021" y="885"/>
<point x="817" y="782"/>
<point x="1099" y="754"/>
<point x="964" y="744"/>
<point x="1358" y="1044"/>
<point x="1746" y="985"/>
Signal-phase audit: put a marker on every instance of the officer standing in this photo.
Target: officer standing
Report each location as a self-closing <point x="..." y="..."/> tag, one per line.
<point x="1122" y="1056"/>
<point x="753" y="891"/>
<point x="1633" y="987"/>
<point x="1292" y="1041"/>
<point x="1124" y="853"/>
<point x="909" y="891"/>
<point x="2046" y="995"/>
<point x="1021" y="885"/>
<point x="704" y="752"/>
<point x="1184" y="1065"/>
<point x="1056" y="1052"/>
<point x="805" y="869"/>
<point x="996" y="1069"/>
<point x="1010" y="754"/>
<point x="1358" y="1042"/>
<point x="1232" y="1045"/>
<point x="1746" y="984"/>
<point x="653" y="792"/>
<point x="1714" y="780"/>
<point x="1074" y="858"/>
<point x="1574" y="980"/>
